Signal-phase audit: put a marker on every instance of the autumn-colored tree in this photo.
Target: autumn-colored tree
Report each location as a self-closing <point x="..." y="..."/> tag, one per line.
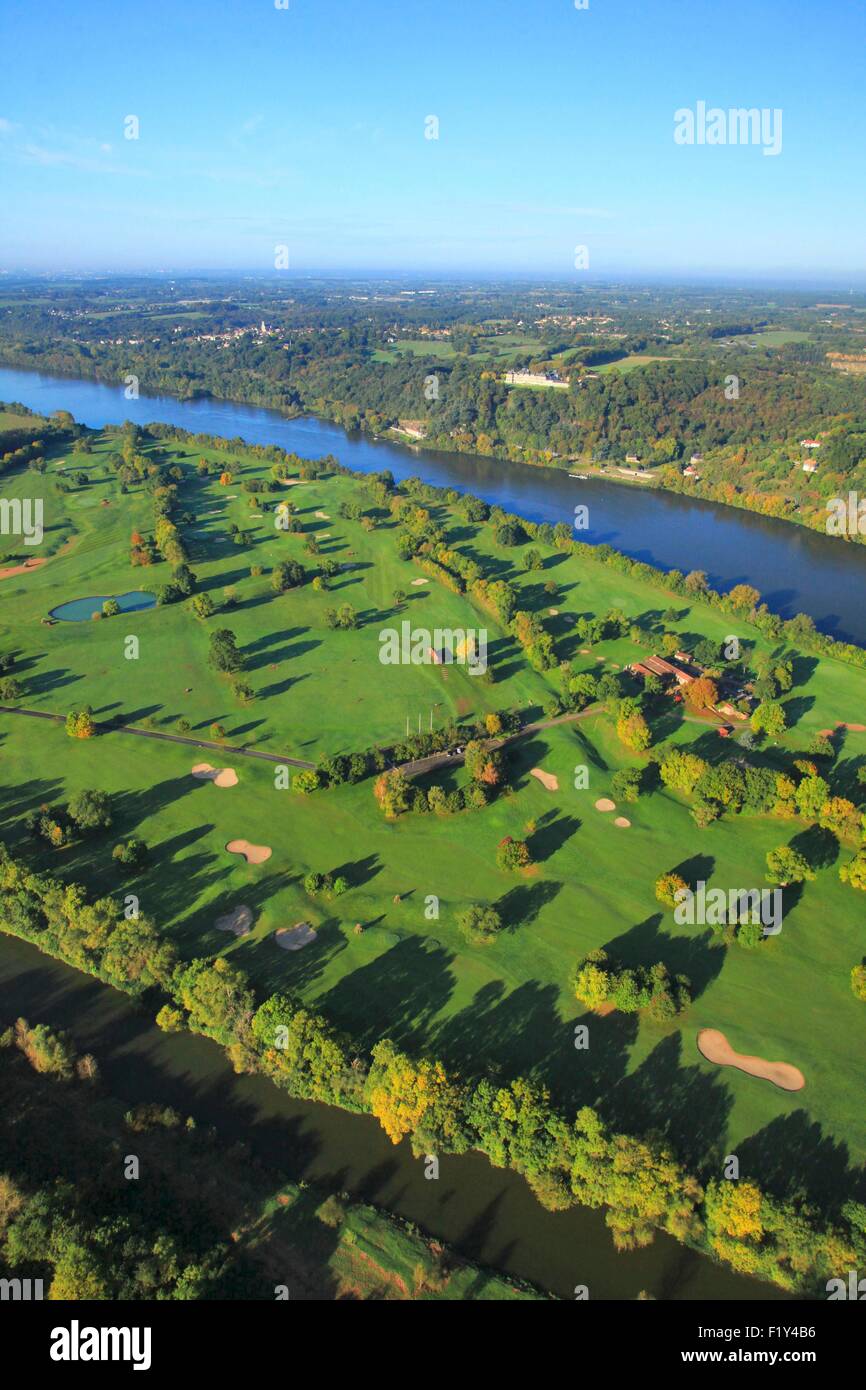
<point x="408" y="1096"/>
<point x="787" y="865"/>
<point x="854" y="872"/>
<point x="667" y="888"/>
<point x="632" y="728"/>
<point x="79" y="724"/>
<point x="703" y="693"/>
<point x="391" y="790"/>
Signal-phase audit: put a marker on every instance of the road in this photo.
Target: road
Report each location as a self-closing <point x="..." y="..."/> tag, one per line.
<point x="110" y="728"/>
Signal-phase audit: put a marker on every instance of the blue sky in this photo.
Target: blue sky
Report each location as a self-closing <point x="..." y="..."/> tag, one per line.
<point x="305" y="127"/>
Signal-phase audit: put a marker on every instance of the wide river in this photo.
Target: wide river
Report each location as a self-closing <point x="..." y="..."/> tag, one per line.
<point x="795" y="570"/>
<point x="487" y="1213"/>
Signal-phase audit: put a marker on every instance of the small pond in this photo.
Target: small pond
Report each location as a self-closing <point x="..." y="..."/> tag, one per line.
<point x="80" y="610"/>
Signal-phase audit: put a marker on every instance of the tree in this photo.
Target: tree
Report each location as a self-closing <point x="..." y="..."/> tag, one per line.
<point x="482" y="764"/>
<point x="667" y="888"/>
<point x="854" y="872"/>
<point x="858" y="982"/>
<point x="480" y="925"/>
<point x="743" y="598"/>
<point x="288" y="574"/>
<point x="787" y="865"/>
<point x="10" y="690"/>
<point x="811" y="796"/>
<point x="307" y="781"/>
<point x="342" y="618"/>
<point x="392" y="790"/>
<point x="79" y="724"/>
<point x="129" y="855"/>
<point x="769" y="718"/>
<point x="632" y="728"/>
<point x="110" y="608"/>
<point x="202" y="605"/>
<point x="223" y="653"/>
<point x="412" y="1097"/>
<point x="681" y="771"/>
<point x="91" y="810"/>
<point x="513" y="854"/>
<point x="591" y="980"/>
<point x="626" y="784"/>
<point x="703" y="693"/>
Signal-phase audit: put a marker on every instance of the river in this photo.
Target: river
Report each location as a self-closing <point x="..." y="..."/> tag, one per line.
<point x="489" y="1214"/>
<point x="796" y="570"/>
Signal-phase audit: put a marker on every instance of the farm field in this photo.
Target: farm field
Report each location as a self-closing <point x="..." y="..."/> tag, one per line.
<point x="503" y="1009"/>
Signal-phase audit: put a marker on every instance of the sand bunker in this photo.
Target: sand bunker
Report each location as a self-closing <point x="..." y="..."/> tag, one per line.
<point x="254" y="854"/>
<point x="622" y="823"/>
<point x="239" y="920"/>
<point x="323" y="516"/>
<point x="220" y="776"/>
<point x="21" y="569"/>
<point x="716" y="1048"/>
<point x="295" y="938"/>
<point x="291" y="482"/>
<point x="416" y="582"/>
<point x="554" y="612"/>
<point x="546" y="779"/>
<point x="604" y="803"/>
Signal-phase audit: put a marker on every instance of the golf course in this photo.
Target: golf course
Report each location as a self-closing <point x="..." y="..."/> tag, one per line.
<point x="347" y="886"/>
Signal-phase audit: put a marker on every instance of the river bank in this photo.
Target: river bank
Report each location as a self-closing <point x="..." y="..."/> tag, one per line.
<point x="488" y="1214"/>
<point x="795" y="569"/>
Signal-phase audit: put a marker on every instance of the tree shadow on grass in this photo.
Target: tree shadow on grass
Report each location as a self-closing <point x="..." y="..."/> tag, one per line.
<point x="273" y="968"/>
<point x="797" y="707"/>
<point x="818" y="846"/>
<point x="359" y="871"/>
<point x="697" y="869"/>
<point x="684" y="1103"/>
<point x="397" y="995"/>
<point x="503" y="1034"/>
<point x="794" y="1159"/>
<point x="520" y="906"/>
<point x="697" y="957"/>
<point x="273" y="658"/>
<point x="589" y="751"/>
<point x="17" y="801"/>
<point x="554" y="831"/>
<point x="46" y="681"/>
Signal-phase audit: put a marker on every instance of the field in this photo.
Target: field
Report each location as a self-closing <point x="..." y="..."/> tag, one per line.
<point x="505" y="1008"/>
<point x="628" y="364"/>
